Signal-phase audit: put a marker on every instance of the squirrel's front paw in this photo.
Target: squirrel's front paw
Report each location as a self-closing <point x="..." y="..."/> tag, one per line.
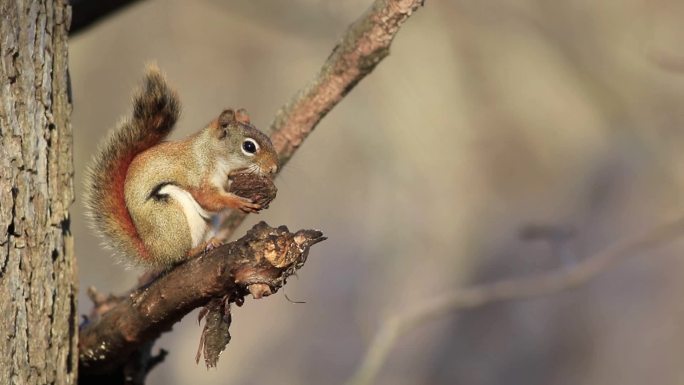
<point x="247" y="205"/>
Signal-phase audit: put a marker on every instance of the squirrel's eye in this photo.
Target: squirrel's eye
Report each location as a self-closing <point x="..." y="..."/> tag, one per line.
<point x="249" y="147"/>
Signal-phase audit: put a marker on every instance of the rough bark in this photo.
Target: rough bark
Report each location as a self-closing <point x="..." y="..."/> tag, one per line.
<point x="37" y="277"/>
<point x="258" y="263"/>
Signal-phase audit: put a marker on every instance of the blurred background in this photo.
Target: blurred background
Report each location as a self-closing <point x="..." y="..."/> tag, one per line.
<point x="489" y="116"/>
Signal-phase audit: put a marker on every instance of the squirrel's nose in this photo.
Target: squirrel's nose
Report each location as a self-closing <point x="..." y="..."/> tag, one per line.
<point x="269" y="169"/>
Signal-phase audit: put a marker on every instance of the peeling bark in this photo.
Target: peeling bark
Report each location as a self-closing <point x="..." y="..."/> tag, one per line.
<point x="37" y="277"/>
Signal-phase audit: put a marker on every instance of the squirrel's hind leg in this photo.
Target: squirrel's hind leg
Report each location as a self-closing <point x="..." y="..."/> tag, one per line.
<point x="164" y="230"/>
<point x="210" y="244"/>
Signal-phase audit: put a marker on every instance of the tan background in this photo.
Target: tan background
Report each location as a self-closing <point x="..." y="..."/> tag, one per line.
<point x="488" y="116"/>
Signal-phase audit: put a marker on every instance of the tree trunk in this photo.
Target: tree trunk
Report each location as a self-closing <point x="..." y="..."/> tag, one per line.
<point x="38" y="328"/>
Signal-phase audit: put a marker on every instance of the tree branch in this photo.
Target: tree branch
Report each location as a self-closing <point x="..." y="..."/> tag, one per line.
<point x="126" y="325"/>
<point x="366" y="42"/>
<point x="259" y="262"/>
<point x="513" y="289"/>
<point x="85" y="13"/>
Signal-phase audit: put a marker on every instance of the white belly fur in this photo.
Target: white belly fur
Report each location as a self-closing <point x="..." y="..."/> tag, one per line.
<point x="196" y="216"/>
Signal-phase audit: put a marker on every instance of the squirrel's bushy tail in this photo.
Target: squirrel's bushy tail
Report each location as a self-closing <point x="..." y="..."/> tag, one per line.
<point x="155" y="110"/>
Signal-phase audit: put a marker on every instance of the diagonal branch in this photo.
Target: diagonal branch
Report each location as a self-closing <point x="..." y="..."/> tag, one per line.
<point x="127" y="325"/>
<point x="508" y="290"/>
<point x="366" y="42"/>
<point x="259" y="263"/>
<point x="85" y="13"/>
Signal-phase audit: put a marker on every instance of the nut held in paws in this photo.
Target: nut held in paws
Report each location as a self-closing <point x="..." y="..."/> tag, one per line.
<point x="259" y="188"/>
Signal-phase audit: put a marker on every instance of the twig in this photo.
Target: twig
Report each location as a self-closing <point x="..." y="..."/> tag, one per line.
<point x="264" y="256"/>
<point x="513" y="289"/>
<point x="363" y="46"/>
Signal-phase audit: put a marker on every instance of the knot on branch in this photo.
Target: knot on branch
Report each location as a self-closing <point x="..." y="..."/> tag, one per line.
<point x="278" y="254"/>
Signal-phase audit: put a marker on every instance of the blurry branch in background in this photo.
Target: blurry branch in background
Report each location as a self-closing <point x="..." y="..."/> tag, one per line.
<point x="556" y="236"/>
<point x="666" y="61"/>
<point x="551" y="282"/>
<point x="85" y="13"/>
<point x="363" y="46"/>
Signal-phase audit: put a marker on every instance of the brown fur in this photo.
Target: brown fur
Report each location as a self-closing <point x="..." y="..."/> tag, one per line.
<point x="138" y="187"/>
<point x="155" y="111"/>
<point x="213" y="199"/>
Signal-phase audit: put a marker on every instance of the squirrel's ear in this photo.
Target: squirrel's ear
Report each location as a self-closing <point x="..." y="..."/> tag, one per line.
<point x="224" y="121"/>
<point x="242" y="116"/>
<point x="226" y="118"/>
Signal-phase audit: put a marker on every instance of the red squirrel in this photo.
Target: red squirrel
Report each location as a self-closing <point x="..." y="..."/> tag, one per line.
<point x="153" y="200"/>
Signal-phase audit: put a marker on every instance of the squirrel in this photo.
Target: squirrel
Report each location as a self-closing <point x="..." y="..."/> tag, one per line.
<point x="153" y="200"/>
